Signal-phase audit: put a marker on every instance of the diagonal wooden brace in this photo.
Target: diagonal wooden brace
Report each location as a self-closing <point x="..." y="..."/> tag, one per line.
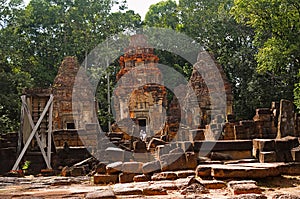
<point x="34" y="133"/>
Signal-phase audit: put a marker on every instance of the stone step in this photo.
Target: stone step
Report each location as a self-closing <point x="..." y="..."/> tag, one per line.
<point x="246" y="170"/>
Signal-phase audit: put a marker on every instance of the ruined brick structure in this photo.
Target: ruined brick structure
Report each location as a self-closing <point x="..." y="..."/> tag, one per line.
<point x="140" y="86"/>
<point x="141" y="96"/>
<point x="64" y="115"/>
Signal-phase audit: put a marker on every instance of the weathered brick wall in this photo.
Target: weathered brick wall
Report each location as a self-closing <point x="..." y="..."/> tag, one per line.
<point x="268" y="123"/>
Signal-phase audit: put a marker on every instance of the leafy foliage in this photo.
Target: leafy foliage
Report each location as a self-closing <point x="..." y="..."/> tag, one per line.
<point x="277" y="36"/>
<point x="34" y="39"/>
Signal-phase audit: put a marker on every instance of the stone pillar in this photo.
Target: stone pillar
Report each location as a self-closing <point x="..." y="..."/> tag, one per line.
<point x="286" y="119"/>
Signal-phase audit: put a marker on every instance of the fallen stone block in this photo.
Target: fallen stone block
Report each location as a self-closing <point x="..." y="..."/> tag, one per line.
<point x="268" y="156"/>
<point x="167" y="184"/>
<point x="185" y="173"/>
<point x="128" y="191"/>
<point x="78" y="171"/>
<point x="213" y="184"/>
<point x="173" y="162"/>
<point x="151" y="167"/>
<point x="126" y="177"/>
<point x="100" y="168"/>
<point x="239" y="171"/>
<point x="244" y="187"/>
<point x="113" y="154"/>
<point x="142" y="178"/>
<point x="141" y="157"/>
<point x="164" y="176"/>
<point x="154" y="190"/>
<point x="132" y="167"/>
<point x="103" y="194"/>
<point x="114" y="168"/>
<point x="203" y="171"/>
<point x="105" y="179"/>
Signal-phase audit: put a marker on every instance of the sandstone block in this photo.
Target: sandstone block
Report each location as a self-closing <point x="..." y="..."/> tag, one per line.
<point x="213" y="184"/>
<point x="185" y="174"/>
<point x="101" y="167"/>
<point x="114" y="168"/>
<point x="141" y="178"/>
<point x="203" y="171"/>
<point x="164" y="176"/>
<point x="126" y="177"/>
<point x="151" y="167"/>
<point x="244" y="187"/>
<point x="105" y="179"/>
<point x="228" y="131"/>
<point x="238" y="171"/>
<point x="77" y="171"/>
<point x="132" y="167"/>
<point x="103" y="194"/>
<point x="141" y="157"/>
<point x="269" y="156"/>
<point x="173" y="162"/>
<point x="286" y="120"/>
<point x="113" y="154"/>
<point x="128" y="191"/>
<point x="154" y="191"/>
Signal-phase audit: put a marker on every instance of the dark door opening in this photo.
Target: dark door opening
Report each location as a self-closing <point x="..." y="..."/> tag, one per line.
<point x="142" y="124"/>
<point x="70" y="126"/>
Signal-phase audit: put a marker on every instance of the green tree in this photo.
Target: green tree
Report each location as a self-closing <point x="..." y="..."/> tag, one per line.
<point x="277" y="37"/>
<point x="34" y="39"/>
<point x="163" y="14"/>
<point x="13" y="78"/>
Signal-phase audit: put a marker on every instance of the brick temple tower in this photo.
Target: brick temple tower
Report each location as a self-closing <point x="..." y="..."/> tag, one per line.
<point x="140" y="95"/>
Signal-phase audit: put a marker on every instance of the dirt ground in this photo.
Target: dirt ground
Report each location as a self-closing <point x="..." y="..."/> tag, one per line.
<point x="36" y="188"/>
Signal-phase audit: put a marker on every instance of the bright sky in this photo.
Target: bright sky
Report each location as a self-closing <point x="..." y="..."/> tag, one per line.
<point x="139" y="6"/>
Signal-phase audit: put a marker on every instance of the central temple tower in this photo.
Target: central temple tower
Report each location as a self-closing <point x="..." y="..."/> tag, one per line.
<point x="140" y="96"/>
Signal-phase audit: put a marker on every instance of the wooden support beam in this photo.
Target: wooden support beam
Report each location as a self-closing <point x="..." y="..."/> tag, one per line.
<point x="49" y="132"/>
<point x="33" y="133"/>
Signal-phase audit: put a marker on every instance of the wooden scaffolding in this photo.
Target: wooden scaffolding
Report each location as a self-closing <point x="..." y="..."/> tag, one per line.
<point x="36" y="122"/>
